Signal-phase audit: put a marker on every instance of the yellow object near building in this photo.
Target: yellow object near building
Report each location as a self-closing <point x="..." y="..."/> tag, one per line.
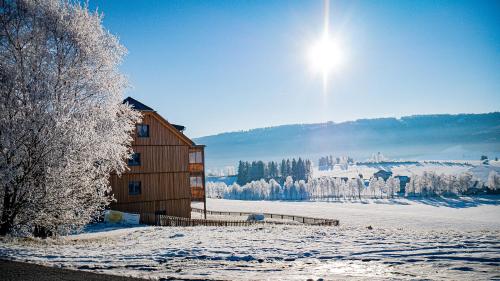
<point x="113" y="217"/>
<point x="121" y="217"/>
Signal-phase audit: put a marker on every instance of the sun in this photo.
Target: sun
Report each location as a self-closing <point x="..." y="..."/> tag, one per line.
<point x="326" y="55"/>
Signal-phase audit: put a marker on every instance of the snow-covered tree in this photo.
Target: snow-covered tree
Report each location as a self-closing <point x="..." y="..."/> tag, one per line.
<point x="410" y="187"/>
<point x="465" y="182"/>
<point x="302" y="189"/>
<point x="360" y="186"/>
<point x="327" y="187"/>
<point x="373" y="186"/>
<point x="275" y="190"/>
<point x="288" y="185"/>
<point x="392" y="186"/>
<point x="382" y="187"/>
<point x="63" y="129"/>
<point x="493" y="181"/>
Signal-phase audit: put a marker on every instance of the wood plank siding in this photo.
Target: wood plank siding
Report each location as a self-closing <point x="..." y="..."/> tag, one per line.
<point x="159" y="134"/>
<point x="162" y="172"/>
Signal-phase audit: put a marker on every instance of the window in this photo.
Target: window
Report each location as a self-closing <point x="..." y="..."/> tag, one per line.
<point x="196" y="181"/>
<point x="135" y="160"/>
<point x="195" y="157"/>
<point x="134" y="187"/>
<point x="143" y="131"/>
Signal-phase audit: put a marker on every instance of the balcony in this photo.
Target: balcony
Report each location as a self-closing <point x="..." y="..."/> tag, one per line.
<point x="196" y="159"/>
<point x="196" y="167"/>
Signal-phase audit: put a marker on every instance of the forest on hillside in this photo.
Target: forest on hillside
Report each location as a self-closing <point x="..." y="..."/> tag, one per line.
<point x="256" y="170"/>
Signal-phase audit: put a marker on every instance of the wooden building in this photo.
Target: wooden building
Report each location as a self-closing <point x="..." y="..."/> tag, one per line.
<point x="166" y="171"/>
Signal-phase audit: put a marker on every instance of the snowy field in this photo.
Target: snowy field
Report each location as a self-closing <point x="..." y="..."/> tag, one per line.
<point x="403" y="169"/>
<point x="465" y="213"/>
<point x="435" y="239"/>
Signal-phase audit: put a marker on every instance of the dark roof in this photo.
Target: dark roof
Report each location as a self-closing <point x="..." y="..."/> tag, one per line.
<point x="384" y="172"/>
<point x="137" y="105"/>
<point x="179" y="127"/>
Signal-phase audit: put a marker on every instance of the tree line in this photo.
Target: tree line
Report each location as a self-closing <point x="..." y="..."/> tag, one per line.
<point x="256" y="170"/>
<point x="428" y="184"/>
<point x="327" y="162"/>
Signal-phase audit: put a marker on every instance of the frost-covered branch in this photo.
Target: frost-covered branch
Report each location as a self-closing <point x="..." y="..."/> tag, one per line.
<point x="63" y="128"/>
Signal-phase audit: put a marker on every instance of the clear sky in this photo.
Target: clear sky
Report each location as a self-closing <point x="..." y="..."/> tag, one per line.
<point x="217" y="66"/>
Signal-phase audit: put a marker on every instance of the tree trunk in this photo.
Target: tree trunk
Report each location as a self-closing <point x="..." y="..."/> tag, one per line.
<point x="6" y="224"/>
<point x="42" y="232"/>
<point x="7" y="219"/>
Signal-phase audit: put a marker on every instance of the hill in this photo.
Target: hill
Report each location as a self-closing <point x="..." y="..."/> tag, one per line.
<point x="430" y="137"/>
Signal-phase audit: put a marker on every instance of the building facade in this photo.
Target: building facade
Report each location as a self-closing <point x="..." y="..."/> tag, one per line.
<point x="166" y="172"/>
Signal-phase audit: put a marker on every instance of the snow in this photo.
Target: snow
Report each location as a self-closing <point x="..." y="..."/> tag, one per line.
<point x="429" y="213"/>
<point x="440" y="239"/>
<point x="408" y="169"/>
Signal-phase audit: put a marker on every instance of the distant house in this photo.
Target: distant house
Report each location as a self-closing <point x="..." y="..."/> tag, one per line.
<point x="383" y="174"/>
<point x="166" y="171"/>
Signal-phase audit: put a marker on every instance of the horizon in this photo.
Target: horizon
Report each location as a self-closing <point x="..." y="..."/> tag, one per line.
<point x="243" y="65"/>
<point x="346" y="121"/>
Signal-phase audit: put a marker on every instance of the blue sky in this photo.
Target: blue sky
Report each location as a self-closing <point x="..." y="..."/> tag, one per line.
<point x="217" y="66"/>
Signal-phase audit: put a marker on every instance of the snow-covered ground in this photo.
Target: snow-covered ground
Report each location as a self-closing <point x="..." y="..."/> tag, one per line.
<point x="469" y="213"/>
<point x="408" y="169"/>
<point x="439" y="239"/>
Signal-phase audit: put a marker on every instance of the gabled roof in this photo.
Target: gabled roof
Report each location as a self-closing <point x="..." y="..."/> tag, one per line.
<point x="137" y="105"/>
<point x="177" y="129"/>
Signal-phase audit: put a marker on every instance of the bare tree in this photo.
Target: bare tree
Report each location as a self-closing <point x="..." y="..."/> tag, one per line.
<point x="63" y="128"/>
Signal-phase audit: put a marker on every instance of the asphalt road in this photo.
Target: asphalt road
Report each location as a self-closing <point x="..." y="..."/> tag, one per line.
<point x="19" y="271"/>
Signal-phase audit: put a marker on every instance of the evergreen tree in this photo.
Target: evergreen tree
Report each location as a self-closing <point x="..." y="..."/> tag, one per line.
<point x="273" y="170"/>
<point x="294" y="169"/>
<point x="260" y="168"/>
<point x="283" y="173"/>
<point x="242" y="173"/>
<point x="288" y="169"/>
<point x="252" y="171"/>
<point x="270" y="169"/>
<point x="301" y="170"/>
<point x="308" y="169"/>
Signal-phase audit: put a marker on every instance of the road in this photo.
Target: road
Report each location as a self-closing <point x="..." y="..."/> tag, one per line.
<point x="20" y="271"/>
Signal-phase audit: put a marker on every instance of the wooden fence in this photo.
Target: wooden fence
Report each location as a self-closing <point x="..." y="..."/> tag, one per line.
<point x="148" y="218"/>
<point x="164" y="220"/>
<point x="301" y="219"/>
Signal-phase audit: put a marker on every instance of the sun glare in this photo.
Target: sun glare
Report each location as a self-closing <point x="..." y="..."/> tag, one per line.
<point x="325" y="55"/>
